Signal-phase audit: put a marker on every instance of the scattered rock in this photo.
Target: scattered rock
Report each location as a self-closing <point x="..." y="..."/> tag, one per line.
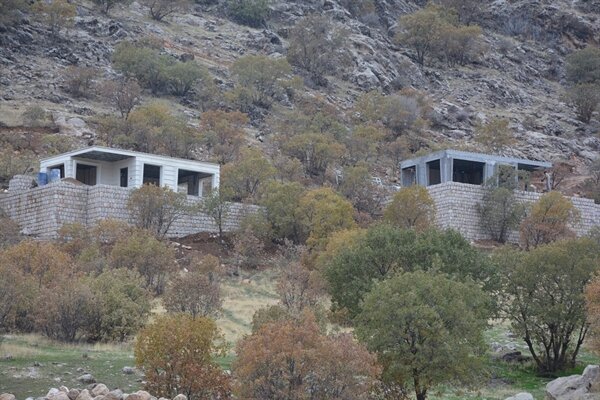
<point x="521" y="396"/>
<point x="100" y="390"/>
<point x="180" y="397"/>
<point x="576" y="387"/>
<point x="87" y="379"/>
<point x="515" y="356"/>
<point x="140" y="395"/>
<point x="128" y="370"/>
<point x="116" y="394"/>
<point x="84" y="395"/>
<point x="7" y="396"/>
<point x="73" y="393"/>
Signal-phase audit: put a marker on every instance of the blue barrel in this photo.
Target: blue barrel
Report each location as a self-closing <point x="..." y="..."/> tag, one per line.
<point x="54" y="175"/>
<point x="42" y="178"/>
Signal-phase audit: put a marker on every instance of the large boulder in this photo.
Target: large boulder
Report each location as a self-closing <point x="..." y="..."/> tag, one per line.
<point x="576" y="387"/>
<point x="100" y="390"/>
<point x="116" y="394"/>
<point x="140" y="395"/>
<point x="7" y="396"/>
<point x="84" y="395"/>
<point x="521" y="396"/>
<point x="87" y="379"/>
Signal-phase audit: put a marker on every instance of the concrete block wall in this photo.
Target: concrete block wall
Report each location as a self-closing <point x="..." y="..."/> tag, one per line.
<point x="41" y="211"/>
<point x="456" y="205"/>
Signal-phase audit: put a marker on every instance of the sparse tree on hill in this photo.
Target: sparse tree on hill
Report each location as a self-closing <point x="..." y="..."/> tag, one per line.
<point x="123" y="94"/>
<point x="244" y="178"/>
<point x="57" y="14"/>
<point x="585" y="97"/>
<point x="583" y="66"/>
<point x="10" y="10"/>
<point x="249" y="12"/>
<point x="159" y="9"/>
<point x="412" y="207"/>
<point x="223" y="133"/>
<point x="217" y="206"/>
<point x="423" y="31"/>
<point x="106" y="5"/>
<point x="495" y="134"/>
<point x="79" y="80"/>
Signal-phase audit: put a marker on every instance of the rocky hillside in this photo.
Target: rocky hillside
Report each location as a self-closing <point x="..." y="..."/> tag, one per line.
<point x="518" y="75"/>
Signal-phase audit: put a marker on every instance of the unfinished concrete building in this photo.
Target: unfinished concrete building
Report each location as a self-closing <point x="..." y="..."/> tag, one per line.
<point x="460" y="166"/>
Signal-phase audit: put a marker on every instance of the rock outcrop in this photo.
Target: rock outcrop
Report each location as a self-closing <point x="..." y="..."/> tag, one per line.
<point x="576" y="387"/>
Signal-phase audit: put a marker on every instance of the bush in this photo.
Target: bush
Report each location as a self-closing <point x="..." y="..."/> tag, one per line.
<point x="10" y="11"/>
<point x="123" y="94"/>
<point x="182" y="77"/>
<point x="17" y="292"/>
<point x="196" y="292"/>
<point x="244" y="178"/>
<point x="282" y="201"/>
<point x="358" y="187"/>
<point x="155" y="208"/>
<point x="34" y="117"/>
<point x="121" y="306"/>
<point x="79" y="80"/>
<point x="499" y="212"/>
<point x="548" y="220"/>
<point x="316" y="151"/>
<point x="312" y="38"/>
<point x="585" y="97"/>
<point x="495" y="134"/>
<point x="159" y="9"/>
<point x="287" y="359"/>
<point x="411" y="208"/>
<point x="106" y="5"/>
<point x="583" y="66"/>
<point x="56" y="14"/>
<point x="249" y="12"/>
<point x="223" y="133"/>
<point x="10" y="232"/>
<point x="177" y="353"/>
<point x="260" y="80"/>
<point x="152" y="259"/>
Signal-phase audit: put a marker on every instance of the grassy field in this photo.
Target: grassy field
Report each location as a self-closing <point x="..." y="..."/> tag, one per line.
<point x="37" y="364"/>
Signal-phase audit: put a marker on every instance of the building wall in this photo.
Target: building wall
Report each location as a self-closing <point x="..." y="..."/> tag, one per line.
<point x="456" y="205"/>
<point x="41" y="211"/>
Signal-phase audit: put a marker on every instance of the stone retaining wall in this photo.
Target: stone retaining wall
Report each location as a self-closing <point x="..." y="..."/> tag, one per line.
<point x="457" y="209"/>
<point x="41" y="211"/>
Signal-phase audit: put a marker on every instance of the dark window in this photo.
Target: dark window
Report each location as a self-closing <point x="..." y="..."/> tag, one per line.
<point x="151" y="174"/>
<point x="124" y="177"/>
<point x="433" y="173"/>
<point x="86" y="174"/>
<point x="409" y="176"/>
<point x="471" y="172"/>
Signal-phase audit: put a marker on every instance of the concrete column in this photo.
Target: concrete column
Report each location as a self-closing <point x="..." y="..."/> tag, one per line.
<point x="215" y="181"/>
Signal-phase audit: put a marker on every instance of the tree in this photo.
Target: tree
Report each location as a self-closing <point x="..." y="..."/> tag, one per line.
<point x="244" y="178"/>
<point x="177" y="353"/>
<point x="467" y="10"/>
<point x="423" y="31"/>
<point x="121" y="305"/>
<point x="56" y="14"/>
<point x="412" y="207"/>
<point x="386" y="250"/>
<point x="299" y="288"/>
<point x="548" y="220"/>
<point x="317" y="45"/>
<point x="198" y="291"/>
<point x="79" y="80"/>
<point x="155" y="208"/>
<point x="294" y="360"/>
<point x="159" y="9"/>
<point x="146" y="64"/>
<point x="583" y="66"/>
<point x="34" y="117"/>
<point x="217" y="206"/>
<point x="322" y="212"/>
<point x="249" y="12"/>
<point x="16" y="290"/>
<point x="152" y="259"/>
<point x="316" y="151"/>
<point x="495" y="135"/>
<point x="282" y="201"/>
<point x="223" y="133"/>
<point x="460" y="44"/>
<point x="364" y="142"/>
<point x="123" y="94"/>
<point x="499" y="212"/>
<point x="358" y="187"/>
<point x="426" y="329"/>
<point x="106" y="5"/>
<point x="592" y="301"/>
<point x="182" y="77"/>
<point x="585" y="97"/>
<point x="542" y="294"/>
<point x="260" y="80"/>
<point x="10" y="11"/>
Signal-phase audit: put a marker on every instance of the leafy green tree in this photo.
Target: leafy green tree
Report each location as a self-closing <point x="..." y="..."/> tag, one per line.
<point x="495" y="134"/>
<point x="182" y="76"/>
<point x="121" y="305"/>
<point x="541" y="292"/>
<point x="548" y="220"/>
<point x="585" y="97"/>
<point x="316" y="151"/>
<point x="423" y="31"/>
<point x="245" y="177"/>
<point x="358" y="187"/>
<point x="412" y="207"/>
<point x="217" y="206"/>
<point x="282" y="202"/>
<point x="499" y="212"/>
<point x="178" y="353"/>
<point x="318" y="46"/>
<point x="467" y="10"/>
<point x="159" y="9"/>
<point x="583" y="66"/>
<point x="260" y="80"/>
<point x="155" y="208"/>
<point x="223" y="133"/>
<point x="426" y="330"/>
<point x="249" y="12"/>
<point x="152" y="259"/>
<point x="322" y="212"/>
<point x="386" y="250"/>
<point x="146" y="64"/>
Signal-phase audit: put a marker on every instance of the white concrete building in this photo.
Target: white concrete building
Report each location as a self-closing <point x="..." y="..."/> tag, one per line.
<point x="99" y="165"/>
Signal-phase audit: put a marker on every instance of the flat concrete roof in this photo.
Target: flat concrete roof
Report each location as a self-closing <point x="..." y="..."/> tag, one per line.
<point x="103" y="153"/>
<point x="477" y="157"/>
